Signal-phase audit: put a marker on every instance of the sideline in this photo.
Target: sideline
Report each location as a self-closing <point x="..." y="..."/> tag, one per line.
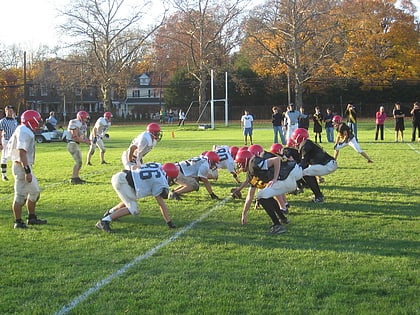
<point x="67" y="308"/>
<point x="413" y="148"/>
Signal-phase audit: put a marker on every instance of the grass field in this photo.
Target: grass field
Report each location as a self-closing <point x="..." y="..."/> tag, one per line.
<point x="358" y="253"/>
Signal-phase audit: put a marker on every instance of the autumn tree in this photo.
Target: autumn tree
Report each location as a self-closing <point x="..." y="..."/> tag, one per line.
<point x="297" y="37"/>
<point x="382" y="44"/>
<point x="111" y="35"/>
<point x="199" y="37"/>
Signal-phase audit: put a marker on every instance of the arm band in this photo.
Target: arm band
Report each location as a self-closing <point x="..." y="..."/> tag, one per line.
<point x="27" y="169"/>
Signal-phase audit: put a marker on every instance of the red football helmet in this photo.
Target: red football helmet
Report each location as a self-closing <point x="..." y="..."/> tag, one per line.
<point x="256" y="149"/>
<point x="212" y="157"/>
<point x="155" y="131"/>
<point x="171" y="170"/>
<point x="233" y="151"/>
<point x="291" y="143"/>
<point x="242" y="158"/>
<point x="276" y="148"/>
<point x="82" y="115"/>
<point x="108" y="115"/>
<point x="31" y="119"/>
<point x="299" y="135"/>
<point x="337" y="119"/>
<point x="244" y="148"/>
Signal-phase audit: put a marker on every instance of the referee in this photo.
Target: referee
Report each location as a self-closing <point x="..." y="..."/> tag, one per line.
<point x="8" y="125"/>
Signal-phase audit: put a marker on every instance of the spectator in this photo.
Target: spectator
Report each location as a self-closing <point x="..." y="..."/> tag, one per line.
<point x="51" y="122"/>
<point x="415" y="112"/>
<point x="329" y="128"/>
<point x="277" y="121"/>
<point x="380" y="117"/>
<point x="181" y="117"/>
<point x="247" y="126"/>
<point x="303" y="121"/>
<point x="291" y="119"/>
<point x="399" y="121"/>
<point x="171" y="117"/>
<point x="8" y="125"/>
<point x="318" y="119"/>
<point x="351" y="115"/>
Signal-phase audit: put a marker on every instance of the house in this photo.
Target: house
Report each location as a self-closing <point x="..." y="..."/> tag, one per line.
<point x="145" y="97"/>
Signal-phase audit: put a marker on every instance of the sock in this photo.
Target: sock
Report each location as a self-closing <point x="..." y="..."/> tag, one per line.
<point x="269" y="207"/>
<point x="107" y="218"/>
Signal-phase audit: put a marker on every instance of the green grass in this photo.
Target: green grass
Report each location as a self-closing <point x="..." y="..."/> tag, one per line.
<point x="358" y="253"/>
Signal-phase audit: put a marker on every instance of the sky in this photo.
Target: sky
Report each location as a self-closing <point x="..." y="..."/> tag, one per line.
<point x="31" y="23"/>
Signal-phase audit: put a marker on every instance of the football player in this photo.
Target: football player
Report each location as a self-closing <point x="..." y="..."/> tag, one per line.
<point x="8" y="125"/>
<point x="314" y="161"/>
<point x="226" y="160"/>
<point x="77" y="129"/>
<point x="191" y="172"/>
<point x="150" y="179"/>
<point x="274" y="177"/>
<point x="345" y="137"/>
<point x="99" y="132"/>
<point x="21" y="148"/>
<point x="141" y="145"/>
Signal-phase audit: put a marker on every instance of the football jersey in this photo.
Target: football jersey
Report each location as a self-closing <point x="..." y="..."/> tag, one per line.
<point x="102" y="126"/>
<point x="312" y="154"/>
<point x="76" y="124"/>
<point x="226" y="160"/>
<point x="22" y="138"/>
<point x="195" y="167"/>
<point x="149" y="180"/>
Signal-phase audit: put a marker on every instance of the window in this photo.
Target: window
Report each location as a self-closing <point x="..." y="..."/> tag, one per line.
<point x="44" y="90"/>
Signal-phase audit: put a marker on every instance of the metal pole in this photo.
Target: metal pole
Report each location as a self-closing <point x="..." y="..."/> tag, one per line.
<point x="212" y="102"/>
<point x="226" y="101"/>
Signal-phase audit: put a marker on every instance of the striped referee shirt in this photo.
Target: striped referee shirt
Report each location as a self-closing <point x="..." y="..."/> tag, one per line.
<point x="8" y="125"/>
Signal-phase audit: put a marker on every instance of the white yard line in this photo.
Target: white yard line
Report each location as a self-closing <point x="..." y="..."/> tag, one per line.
<point x="67" y="308"/>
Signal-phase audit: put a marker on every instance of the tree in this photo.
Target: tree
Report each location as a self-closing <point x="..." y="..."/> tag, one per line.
<point x="108" y="32"/>
<point x="298" y="37"/>
<point x="199" y="37"/>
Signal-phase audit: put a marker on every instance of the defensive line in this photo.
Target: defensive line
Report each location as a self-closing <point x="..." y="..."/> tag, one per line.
<point x="67" y="308"/>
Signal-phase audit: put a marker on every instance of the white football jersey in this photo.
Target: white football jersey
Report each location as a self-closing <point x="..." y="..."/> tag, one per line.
<point x="144" y="143"/>
<point x="195" y="167"/>
<point x="226" y="160"/>
<point x="22" y="138"/>
<point x="149" y="180"/>
<point x="76" y="124"/>
<point x="102" y="126"/>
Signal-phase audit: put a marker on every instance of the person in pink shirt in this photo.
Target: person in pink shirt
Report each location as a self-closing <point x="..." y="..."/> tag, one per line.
<point x="380" y="120"/>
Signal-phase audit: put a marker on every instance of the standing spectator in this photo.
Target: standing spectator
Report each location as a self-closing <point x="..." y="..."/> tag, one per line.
<point x="329" y="128"/>
<point x="8" y="125"/>
<point x="171" y="115"/>
<point x="318" y="120"/>
<point x="415" y="112"/>
<point x="22" y="153"/>
<point x="345" y="137"/>
<point x="351" y="115"/>
<point x="136" y="184"/>
<point x="247" y="123"/>
<point x="181" y="117"/>
<point x="399" y="121"/>
<point x="303" y="121"/>
<point x="277" y="121"/>
<point x="77" y="133"/>
<point x="99" y="132"/>
<point x="380" y="117"/>
<point x="140" y="146"/>
<point x="51" y="121"/>
<point x="291" y="119"/>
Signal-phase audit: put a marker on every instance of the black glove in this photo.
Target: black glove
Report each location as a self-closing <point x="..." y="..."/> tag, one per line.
<point x="94" y="140"/>
<point x="171" y="225"/>
<point x="213" y="196"/>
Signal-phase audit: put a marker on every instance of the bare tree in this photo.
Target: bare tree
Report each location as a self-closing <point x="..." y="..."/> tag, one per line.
<point x="303" y="35"/>
<point x="111" y="35"/>
<point x="199" y="36"/>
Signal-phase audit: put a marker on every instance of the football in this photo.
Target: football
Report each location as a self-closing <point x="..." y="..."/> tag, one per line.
<point x="237" y="195"/>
